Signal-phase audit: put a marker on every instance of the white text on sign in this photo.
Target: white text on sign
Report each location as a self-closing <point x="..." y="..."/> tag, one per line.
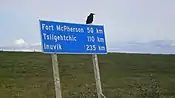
<point x="100" y="39"/>
<point x="91" y="47"/>
<point x="101" y="48"/>
<point x="47" y="27"/>
<point x="91" y="38"/>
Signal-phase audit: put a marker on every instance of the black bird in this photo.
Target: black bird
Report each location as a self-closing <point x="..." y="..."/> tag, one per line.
<point x="90" y="18"/>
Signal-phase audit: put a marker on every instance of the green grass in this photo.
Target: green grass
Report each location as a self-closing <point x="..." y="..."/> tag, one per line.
<point x="29" y="75"/>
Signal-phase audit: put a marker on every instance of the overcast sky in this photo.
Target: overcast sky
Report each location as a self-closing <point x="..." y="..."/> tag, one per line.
<point x="124" y="20"/>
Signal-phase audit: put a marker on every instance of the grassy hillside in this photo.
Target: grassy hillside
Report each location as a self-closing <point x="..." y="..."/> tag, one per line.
<point x="29" y="75"/>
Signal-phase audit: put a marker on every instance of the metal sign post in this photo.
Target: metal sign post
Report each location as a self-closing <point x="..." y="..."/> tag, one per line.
<point x="97" y="76"/>
<point x="56" y="76"/>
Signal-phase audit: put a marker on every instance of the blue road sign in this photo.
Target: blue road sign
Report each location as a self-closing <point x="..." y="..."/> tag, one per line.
<point x="72" y="38"/>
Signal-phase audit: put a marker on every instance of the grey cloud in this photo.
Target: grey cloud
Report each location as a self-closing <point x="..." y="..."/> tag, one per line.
<point x="153" y="47"/>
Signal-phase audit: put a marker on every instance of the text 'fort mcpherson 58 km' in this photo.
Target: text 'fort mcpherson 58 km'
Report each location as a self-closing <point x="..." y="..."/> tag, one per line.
<point x="61" y="37"/>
